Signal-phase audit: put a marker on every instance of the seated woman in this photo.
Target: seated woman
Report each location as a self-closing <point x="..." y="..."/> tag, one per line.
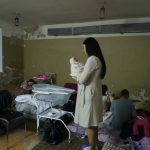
<point x="105" y="98"/>
<point x="27" y="86"/>
<point x="122" y="110"/>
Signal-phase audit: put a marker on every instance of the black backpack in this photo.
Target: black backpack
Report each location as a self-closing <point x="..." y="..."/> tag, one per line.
<point x="51" y="131"/>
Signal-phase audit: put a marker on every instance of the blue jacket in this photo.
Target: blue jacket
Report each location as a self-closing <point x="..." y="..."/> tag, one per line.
<point x="123" y="110"/>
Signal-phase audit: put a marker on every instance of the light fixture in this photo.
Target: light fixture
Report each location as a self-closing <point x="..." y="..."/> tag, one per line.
<point x="16" y="21"/>
<point x="102" y="11"/>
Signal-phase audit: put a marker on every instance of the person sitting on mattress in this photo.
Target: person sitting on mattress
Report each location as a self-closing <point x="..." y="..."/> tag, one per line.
<point x="122" y="110"/>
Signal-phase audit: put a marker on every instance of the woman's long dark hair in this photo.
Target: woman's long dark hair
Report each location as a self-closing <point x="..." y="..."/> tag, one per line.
<point x="93" y="49"/>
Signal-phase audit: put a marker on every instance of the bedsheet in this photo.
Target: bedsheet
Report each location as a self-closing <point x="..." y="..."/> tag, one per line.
<point x="26" y="103"/>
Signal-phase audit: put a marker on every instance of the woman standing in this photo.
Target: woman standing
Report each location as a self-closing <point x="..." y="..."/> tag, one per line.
<point x="89" y="111"/>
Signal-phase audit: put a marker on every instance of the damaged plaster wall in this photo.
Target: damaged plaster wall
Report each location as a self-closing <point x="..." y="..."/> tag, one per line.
<point x="13" y="59"/>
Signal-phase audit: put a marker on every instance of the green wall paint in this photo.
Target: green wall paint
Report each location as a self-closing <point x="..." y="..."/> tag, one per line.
<point x="127" y="59"/>
<point x="13" y="52"/>
<point x="128" y="63"/>
<point x="42" y="56"/>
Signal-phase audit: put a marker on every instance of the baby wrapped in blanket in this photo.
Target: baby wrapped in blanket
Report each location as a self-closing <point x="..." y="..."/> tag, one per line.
<point x="76" y="67"/>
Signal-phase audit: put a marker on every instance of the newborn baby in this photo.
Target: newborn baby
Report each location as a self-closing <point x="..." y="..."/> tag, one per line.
<point x="76" y="67"/>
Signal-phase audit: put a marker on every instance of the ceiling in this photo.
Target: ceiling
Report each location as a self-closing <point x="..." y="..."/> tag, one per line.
<point x="47" y="12"/>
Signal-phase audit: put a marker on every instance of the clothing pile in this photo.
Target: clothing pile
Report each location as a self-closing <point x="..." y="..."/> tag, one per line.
<point x="108" y="134"/>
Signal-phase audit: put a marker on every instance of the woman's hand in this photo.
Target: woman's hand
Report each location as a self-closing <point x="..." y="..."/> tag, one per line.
<point x="74" y="77"/>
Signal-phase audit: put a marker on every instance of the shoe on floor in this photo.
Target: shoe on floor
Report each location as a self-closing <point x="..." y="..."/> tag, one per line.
<point x="86" y="148"/>
<point x="83" y="146"/>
